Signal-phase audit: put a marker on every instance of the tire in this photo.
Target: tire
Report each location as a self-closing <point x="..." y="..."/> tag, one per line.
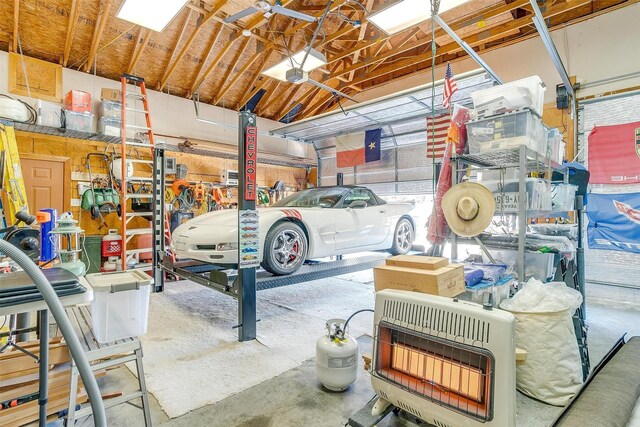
<point x="94" y="212"/>
<point x="402" y="237"/>
<point x="285" y="249"/>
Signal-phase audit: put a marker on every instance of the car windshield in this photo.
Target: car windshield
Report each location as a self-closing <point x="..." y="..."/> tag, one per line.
<point x="313" y="197"/>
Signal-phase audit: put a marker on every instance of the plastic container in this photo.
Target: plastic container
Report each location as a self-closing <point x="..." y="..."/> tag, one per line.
<point x="110" y="264"/>
<point x="509" y="130"/>
<point x="111" y="243"/>
<point x="538" y="265"/>
<point x="523" y="93"/>
<point x="49" y="114"/>
<point x="111" y="109"/>
<point x="555" y="146"/>
<point x="563" y="197"/>
<point x="109" y="126"/>
<point x="78" y="121"/>
<point x="499" y="291"/>
<point x="120" y="308"/>
<point x="566" y="230"/>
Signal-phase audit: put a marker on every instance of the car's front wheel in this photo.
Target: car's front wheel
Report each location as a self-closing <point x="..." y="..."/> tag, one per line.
<point x="402" y="237"/>
<point x="285" y="249"/>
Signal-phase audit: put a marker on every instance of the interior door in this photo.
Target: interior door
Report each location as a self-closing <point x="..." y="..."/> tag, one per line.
<point x="44" y="183"/>
<point x="360" y="227"/>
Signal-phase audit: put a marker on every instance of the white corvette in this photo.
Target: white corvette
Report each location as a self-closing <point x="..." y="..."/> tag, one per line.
<point x="313" y="223"/>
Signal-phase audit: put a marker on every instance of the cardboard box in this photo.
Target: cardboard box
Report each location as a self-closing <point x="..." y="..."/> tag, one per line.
<point x="445" y="281"/>
<point x="416" y="261"/>
<point x="107" y="94"/>
<point x="77" y="101"/>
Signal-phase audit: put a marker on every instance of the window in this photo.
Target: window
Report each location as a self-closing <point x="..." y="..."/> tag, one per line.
<point x="360" y="194"/>
<point x="315" y="197"/>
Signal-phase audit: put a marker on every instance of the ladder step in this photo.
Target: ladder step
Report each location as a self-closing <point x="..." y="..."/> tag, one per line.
<point x="140" y="178"/>
<point x="139" y="250"/>
<point x="149" y="162"/>
<point x="139" y="144"/>
<point x="132" y="214"/>
<point x="139" y="196"/>
<point x="135" y="95"/>
<point x="147" y="128"/>
<point x="136" y="110"/>
<point x="136" y="231"/>
<point x="143" y="266"/>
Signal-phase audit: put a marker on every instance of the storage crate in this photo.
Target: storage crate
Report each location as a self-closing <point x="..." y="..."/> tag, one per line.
<point x="563" y="197"/>
<point x="111" y="109"/>
<point x="120" y="308"/>
<point x="49" y="114"/>
<point x="499" y="291"/>
<point x="515" y="95"/>
<point x="109" y="126"/>
<point x="508" y="131"/>
<point x="555" y="146"/>
<point x="78" y="121"/>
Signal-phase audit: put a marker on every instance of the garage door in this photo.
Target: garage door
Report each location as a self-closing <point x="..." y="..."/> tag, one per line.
<point x="620" y="268"/>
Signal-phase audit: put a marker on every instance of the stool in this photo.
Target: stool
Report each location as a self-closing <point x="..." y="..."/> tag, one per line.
<point x="108" y="355"/>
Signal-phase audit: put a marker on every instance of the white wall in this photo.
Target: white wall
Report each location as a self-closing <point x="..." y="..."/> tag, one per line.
<point x="175" y="116"/>
<point x="599" y="48"/>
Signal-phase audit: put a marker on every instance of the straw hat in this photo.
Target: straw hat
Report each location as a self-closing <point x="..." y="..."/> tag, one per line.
<point x="468" y="208"/>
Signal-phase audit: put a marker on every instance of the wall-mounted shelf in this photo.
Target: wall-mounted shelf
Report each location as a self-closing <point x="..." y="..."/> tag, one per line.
<point x="510" y="158"/>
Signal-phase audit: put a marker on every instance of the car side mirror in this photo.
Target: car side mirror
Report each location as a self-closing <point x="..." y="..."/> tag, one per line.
<point x="358" y="204"/>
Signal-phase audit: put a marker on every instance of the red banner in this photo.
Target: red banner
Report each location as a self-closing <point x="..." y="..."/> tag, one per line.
<point x="614" y="154"/>
<point x="250" y="163"/>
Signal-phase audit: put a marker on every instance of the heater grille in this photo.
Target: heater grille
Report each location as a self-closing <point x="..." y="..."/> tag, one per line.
<point x="408" y="408"/>
<point x="436" y="321"/>
<point x="440" y="424"/>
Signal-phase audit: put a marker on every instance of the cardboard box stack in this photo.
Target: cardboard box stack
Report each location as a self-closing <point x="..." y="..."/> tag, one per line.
<point x="430" y="275"/>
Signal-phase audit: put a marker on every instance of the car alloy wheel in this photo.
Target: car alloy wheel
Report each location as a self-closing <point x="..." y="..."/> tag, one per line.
<point x="287" y="250"/>
<point x="403" y="238"/>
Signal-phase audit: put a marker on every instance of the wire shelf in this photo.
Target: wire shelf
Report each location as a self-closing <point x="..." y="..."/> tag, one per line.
<point x="509" y="158"/>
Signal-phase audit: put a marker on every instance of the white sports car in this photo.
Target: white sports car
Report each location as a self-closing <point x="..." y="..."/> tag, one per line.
<point x="313" y="223"/>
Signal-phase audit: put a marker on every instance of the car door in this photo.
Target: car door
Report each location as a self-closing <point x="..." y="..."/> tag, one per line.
<point x="362" y="226"/>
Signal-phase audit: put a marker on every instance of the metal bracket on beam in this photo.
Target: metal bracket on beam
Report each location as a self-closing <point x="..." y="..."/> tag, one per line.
<point x="538" y="21"/>
<point x="472" y="53"/>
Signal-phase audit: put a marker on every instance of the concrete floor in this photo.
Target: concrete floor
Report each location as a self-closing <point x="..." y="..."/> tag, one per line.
<point x="295" y="398"/>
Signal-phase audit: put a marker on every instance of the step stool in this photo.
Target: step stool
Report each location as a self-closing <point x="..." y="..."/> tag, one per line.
<point x="106" y="355"/>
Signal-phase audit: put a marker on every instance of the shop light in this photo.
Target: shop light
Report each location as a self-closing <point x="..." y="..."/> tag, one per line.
<point x="152" y="14"/>
<point x="403" y="14"/>
<point x="314" y="60"/>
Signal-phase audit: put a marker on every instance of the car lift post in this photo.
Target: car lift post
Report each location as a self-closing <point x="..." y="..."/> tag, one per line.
<point x="159" y="212"/>
<point x="247" y="135"/>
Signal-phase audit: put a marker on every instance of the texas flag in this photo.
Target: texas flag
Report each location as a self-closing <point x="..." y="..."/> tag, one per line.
<point x="358" y="148"/>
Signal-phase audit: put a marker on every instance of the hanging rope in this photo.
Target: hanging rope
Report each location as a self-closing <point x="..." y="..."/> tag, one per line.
<point x="435" y="6"/>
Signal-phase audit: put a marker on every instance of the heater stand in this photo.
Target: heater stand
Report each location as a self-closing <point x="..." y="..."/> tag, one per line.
<point x="364" y="417"/>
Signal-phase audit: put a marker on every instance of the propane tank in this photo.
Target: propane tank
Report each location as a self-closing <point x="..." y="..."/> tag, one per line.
<point x="116" y="168"/>
<point x="336" y="357"/>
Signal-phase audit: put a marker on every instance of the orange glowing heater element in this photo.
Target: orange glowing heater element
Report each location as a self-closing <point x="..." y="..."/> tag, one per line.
<point x="451" y="375"/>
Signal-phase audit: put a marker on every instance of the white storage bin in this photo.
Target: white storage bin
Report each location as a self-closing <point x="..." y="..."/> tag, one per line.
<point x="49" y="114"/>
<point x="555" y="146"/>
<point x="120" y="308"/>
<point x="111" y="109"/>
<point x="523" y="93"/>
<point x="506" y="131"/>
<point x="563" y="197"/>
<point x="500" y="291"/>
<point x="78" y="121"/>
<point x="109" y="126"/>
<point x="538" y="265"/>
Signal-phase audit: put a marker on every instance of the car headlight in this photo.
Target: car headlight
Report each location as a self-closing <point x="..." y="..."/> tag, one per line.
<point x="227" y="246"/>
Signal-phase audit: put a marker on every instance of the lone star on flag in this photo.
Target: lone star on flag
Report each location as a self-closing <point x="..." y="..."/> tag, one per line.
<point x="372" y="146"/>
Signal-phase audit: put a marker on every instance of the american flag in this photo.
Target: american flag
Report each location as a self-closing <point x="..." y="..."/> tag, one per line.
<point x="450" y="87"/>
<point x="436" y="146"/>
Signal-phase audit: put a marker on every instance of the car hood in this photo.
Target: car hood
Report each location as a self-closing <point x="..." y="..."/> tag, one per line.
<point x="223" y="218"/>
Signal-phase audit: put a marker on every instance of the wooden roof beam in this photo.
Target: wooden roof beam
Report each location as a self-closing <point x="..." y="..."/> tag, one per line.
<point x="103" y="15"/>
<point x="71" y="30"/>
<point x="16" y="19"/>
<point x="212" y="44"/>
<point x="173" y="63"/>
<point x="138" y="48"/>
<point x="267" y="96"/>
<point x="216" y="60"/>
<point x="361" y="34"/>
<point x="244" y="69"/>
<point x="287" y="102"/>
<point x="172" y="67"/>
<point x="219" y="95"/>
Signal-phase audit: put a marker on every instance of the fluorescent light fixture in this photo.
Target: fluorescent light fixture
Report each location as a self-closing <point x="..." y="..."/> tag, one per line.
<point x="403" y="14"/>
<point x="314" y="60"/>
<point x="152" y="14"/>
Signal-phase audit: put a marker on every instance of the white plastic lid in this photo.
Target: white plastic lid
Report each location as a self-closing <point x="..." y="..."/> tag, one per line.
<point x="118" y="281"/>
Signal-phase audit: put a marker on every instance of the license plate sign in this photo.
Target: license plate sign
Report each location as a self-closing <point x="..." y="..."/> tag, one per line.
<point x="507" y="202"/>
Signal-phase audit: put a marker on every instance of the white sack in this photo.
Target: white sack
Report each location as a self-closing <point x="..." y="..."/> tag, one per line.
<point x="552" y="371"/>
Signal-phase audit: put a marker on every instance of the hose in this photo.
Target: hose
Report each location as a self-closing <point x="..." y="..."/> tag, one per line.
<point x="346" y="323"/>
<point x="73" y="343"/>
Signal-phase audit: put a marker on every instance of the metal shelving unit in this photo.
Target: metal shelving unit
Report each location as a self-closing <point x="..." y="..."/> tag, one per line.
<point x="527" y="161"/>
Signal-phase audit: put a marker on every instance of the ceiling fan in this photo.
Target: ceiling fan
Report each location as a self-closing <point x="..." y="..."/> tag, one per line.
<point x="267" y="10"/>
<point x="298" y="75"/>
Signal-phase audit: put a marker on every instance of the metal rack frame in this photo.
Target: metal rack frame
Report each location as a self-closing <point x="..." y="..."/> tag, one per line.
<point x="526" y="160"/>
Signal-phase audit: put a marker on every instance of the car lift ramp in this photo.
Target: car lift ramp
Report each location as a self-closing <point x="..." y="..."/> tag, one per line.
<point x="224" y="281"/>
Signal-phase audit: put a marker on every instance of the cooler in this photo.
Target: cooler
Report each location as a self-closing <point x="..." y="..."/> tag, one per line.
<point x="120" y="308"/>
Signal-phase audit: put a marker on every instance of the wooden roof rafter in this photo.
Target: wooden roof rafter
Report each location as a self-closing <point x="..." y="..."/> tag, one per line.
<point x="195" y="86"/>
<point x="244" y="69"/>
<point x="16" y="21"/>
<point x="173" y="64"/>
<point x="101" y="20"/>
<point x="219" y="95"/>
<point x="71" y="30"/>
<point x="141" y="42"/>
